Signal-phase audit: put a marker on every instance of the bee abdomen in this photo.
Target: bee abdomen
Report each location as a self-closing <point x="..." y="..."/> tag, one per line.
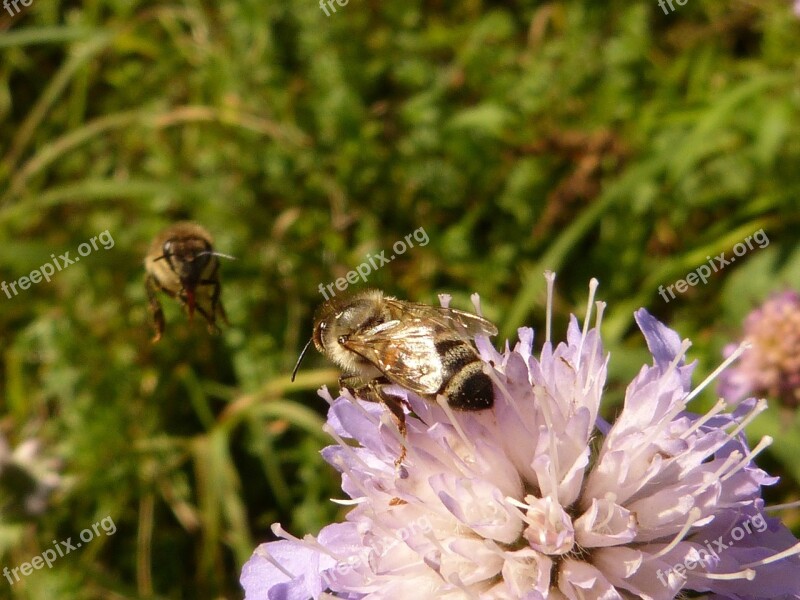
<point x="465" y="384"/>
<point x="470" y="388"/>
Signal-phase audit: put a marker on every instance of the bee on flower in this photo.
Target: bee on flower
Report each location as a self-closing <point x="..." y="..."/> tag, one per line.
<point x="538" y="497"/>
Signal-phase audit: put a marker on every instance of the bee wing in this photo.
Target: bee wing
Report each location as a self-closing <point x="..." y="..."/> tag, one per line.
<point x="467" y="324"/>
<point x="404" y="351"/>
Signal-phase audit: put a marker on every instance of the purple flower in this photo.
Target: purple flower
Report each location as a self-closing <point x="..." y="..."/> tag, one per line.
<point x="771" y="367"/>
<point x="539" y="497"/>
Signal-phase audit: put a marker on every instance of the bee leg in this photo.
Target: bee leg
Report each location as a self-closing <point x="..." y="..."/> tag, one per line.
<point x="183" y="299"/>
<point x="217" y="309"/>
<point x="222" y="314"/>
<point x="357" y="388"/>
<point x="372" y="391"/>
<point x="212" y="326"/>
<point x="152" y="287"/>
<point x="216" y="302"/>
<point x="395" y="406"/>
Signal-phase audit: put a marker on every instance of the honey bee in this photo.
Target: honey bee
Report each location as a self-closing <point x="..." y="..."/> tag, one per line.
<point x="182" y="263"/>
<point x="380" y="340"/>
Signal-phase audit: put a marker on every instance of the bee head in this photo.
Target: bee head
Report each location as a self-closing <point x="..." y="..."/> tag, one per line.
<point x="340" y="317"/>
<point x="188" y="258"/>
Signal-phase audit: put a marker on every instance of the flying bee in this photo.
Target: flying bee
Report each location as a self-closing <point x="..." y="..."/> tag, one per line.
<point x="182" y="263"/>
<point x="379" y="340"/>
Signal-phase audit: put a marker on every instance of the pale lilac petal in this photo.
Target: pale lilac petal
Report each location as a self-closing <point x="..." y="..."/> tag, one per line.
<point x="262" y="580"/>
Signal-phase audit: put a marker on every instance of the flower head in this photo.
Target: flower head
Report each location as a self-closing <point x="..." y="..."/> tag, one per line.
<point x="539" y="497"/>
<point x="771" y="367"/>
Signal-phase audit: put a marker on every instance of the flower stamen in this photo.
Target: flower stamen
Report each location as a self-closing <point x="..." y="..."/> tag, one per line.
<point x="347" y="448"/>
<point x="759" y="407"/>
<point x="550" y="277"/>
<point x="369" y="416"/>
<point x="692" y="517"/>
<point x="338" y="462"/>
<point x="681" y="355"/>
<point x="348" y="501"/>
<point x="776" y="557"/>
<point x="265" y="554"/>
<point x="593" y="283"/>
<point x="309" y="540"/>
<point x="748" y="574"/>
<point x="765" y="442"/>
<point x="505" y="391"/>
<point x="590" y="379"/>
<point x="731" y="459"/>
<point x="715" y="410"/>
<point x="786" y="506"/>
<point x="441" y="400"/>
<point x="715" y="373"/>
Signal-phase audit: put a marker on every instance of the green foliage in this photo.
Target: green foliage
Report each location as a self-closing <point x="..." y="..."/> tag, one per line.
<point x="596" y="140"/>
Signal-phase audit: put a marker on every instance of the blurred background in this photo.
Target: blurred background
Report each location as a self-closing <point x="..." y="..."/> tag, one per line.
<point x="619" y="140"/>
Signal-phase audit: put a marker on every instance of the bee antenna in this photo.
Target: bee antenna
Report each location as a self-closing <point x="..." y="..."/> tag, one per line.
<point x="300" y="358"/>
<point x="220" y="254"/>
